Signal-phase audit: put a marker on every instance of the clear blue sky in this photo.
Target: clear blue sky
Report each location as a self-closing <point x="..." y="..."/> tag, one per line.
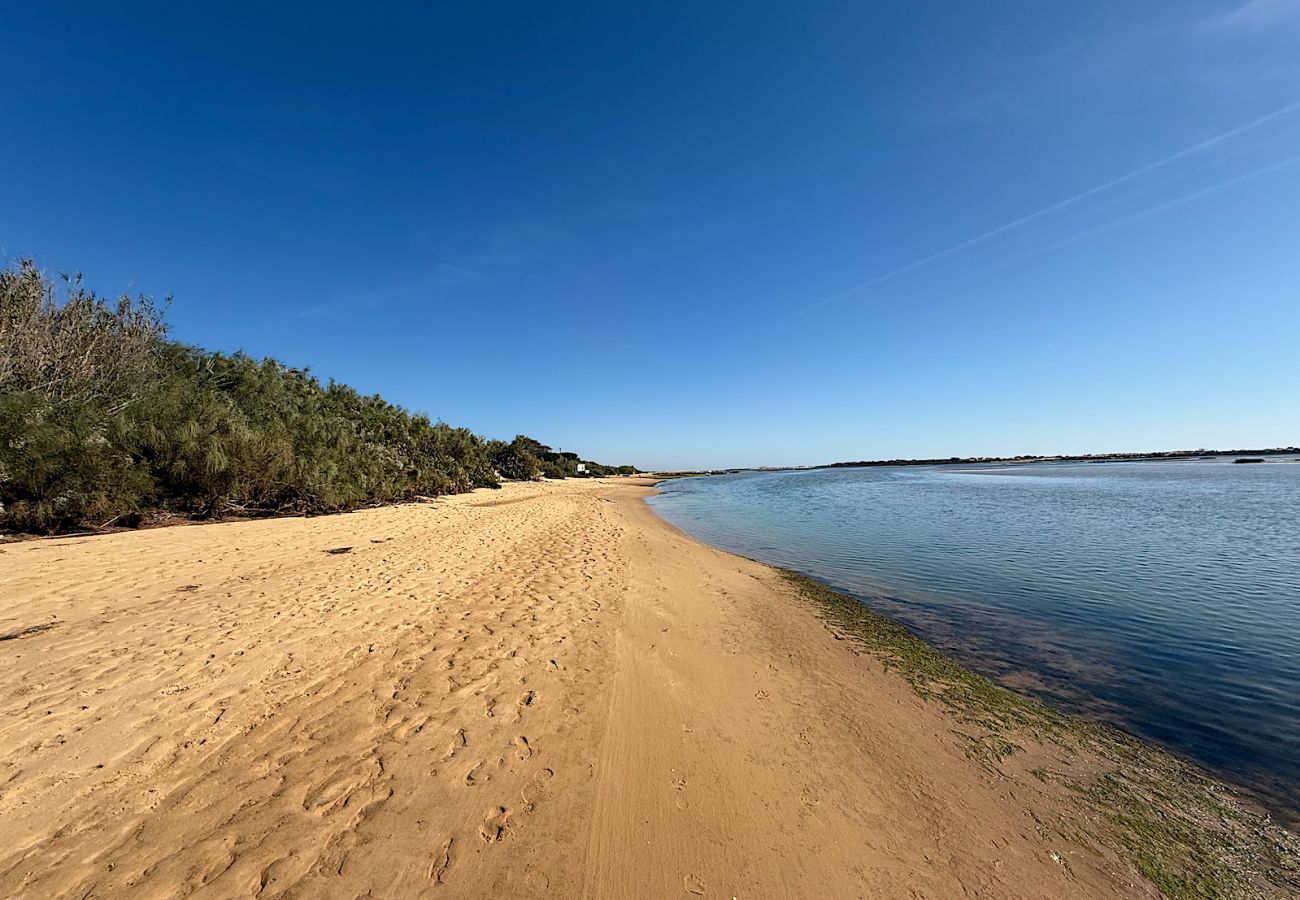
<point x="698" y="234"/>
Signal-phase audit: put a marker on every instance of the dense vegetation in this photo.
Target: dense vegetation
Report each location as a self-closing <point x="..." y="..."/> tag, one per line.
<point x="103" y="418"/>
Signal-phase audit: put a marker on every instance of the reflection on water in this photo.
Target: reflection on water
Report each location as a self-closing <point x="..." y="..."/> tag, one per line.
<point x="1161" y="596"/>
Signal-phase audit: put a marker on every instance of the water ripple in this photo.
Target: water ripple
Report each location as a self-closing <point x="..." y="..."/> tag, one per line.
<point x="1164" y="597"/>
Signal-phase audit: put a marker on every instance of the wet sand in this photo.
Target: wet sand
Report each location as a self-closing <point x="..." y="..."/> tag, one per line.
<point x="542" y="691"/>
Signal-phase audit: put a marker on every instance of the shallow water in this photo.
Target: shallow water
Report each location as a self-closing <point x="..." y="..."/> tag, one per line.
<point x="1161" y="596"/>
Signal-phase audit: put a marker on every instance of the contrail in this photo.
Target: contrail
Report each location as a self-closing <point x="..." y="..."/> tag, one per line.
<point x="1059" y="205"/>
<point x="1137" y="216"/>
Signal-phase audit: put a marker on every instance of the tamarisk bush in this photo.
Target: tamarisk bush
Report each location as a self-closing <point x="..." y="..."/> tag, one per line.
<point x="103" y="417"/>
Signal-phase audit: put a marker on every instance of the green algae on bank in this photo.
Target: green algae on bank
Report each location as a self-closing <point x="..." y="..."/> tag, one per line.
<point x="1184" y="831"/>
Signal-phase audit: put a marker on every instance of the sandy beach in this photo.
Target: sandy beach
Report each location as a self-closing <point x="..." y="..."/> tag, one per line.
<point x="541" y="691"/>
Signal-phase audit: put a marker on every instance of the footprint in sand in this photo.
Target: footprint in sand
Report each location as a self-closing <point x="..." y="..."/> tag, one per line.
<point x="279" y="870"/>
<point x="522" y="748"/>
<point x="333" y="858"/>
<point x="441" y="862"/>
<point x="457" y="742"/>
<point x="496" y="825"/>
<point x="328" y="795"/>
<point x="535" y="790"/>
<point x="409" y="728"/>
<point x="693" y="884"/>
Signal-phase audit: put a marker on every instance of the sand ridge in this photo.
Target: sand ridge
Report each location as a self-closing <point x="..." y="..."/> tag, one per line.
<point x="542" y="691"/>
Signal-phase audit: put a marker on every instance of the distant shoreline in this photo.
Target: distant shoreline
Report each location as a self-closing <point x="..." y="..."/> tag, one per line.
<point x="1153" y="456"/>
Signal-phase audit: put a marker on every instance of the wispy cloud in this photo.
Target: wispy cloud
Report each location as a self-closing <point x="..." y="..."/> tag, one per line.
<point x="447" y="275"/>
<point x="521" y="243"/>
<point x="1051" y="208"/>
<point x="1241" y="45"/>
<point x="1256" y="15"/>
<point x="396" y="288"/>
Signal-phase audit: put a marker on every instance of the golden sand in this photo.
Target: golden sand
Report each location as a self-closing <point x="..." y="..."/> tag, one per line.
<point x="543" y="691"/>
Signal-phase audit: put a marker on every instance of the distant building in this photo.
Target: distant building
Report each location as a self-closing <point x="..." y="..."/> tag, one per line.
<point x="582" y="468"/>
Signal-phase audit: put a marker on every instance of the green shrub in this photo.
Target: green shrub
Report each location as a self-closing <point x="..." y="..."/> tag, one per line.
<point x="63" y="465"/>
<point x="515" y="460"/>
<point x="102" y="417"/>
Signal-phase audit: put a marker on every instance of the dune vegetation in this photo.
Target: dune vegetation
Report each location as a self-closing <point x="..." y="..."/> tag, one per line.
<point x="105" y="420"/>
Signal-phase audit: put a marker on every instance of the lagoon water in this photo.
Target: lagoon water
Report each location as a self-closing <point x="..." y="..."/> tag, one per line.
<point x="1161" y="596"/>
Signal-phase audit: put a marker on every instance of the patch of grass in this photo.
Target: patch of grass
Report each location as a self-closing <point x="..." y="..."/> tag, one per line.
<point x="1182" y="830"/>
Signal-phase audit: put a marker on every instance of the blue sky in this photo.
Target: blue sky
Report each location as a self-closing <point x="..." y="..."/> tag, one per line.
<point x="684" y="234"/>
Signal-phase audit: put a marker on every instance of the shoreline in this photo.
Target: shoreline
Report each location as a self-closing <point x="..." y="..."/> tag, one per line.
<point x="1250" y="796"/>
<point x="519" y="692"/>
<point x="1043" y="629"/>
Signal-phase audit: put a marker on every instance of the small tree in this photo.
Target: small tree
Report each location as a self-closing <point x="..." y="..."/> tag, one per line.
<point x="514" y="460"/>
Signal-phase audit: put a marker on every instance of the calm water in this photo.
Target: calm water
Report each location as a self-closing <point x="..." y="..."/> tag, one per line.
<point x="1164" y="597"/>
